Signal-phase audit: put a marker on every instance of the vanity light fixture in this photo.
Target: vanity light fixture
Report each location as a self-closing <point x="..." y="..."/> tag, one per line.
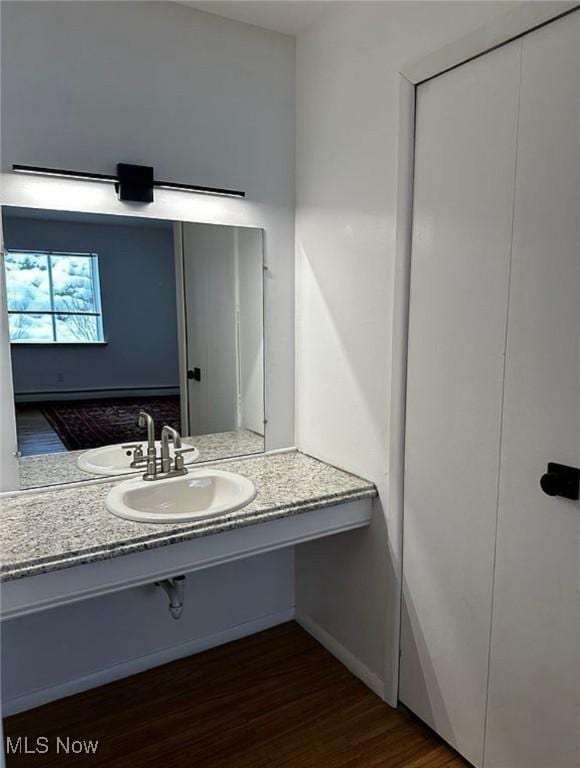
<point x="134" y="183"/>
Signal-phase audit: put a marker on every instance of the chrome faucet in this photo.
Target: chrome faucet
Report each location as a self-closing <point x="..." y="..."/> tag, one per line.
<point x="168" y="433"/>
<point x="145" y="420"/>
<point x="159" y="467"/>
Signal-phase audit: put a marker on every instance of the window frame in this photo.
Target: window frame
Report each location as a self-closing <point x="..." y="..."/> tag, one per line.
<point x="54" y="313"/>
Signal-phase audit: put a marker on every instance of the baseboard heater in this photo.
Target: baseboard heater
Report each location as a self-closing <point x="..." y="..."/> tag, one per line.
<point x="46" y="396"/>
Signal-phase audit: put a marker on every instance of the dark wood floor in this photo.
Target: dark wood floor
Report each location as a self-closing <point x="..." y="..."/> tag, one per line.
<point x="273" y="700"/>
<point x="34" y="433"/>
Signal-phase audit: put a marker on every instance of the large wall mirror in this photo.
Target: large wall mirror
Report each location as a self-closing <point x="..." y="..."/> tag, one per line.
<point x="111" y="317"/>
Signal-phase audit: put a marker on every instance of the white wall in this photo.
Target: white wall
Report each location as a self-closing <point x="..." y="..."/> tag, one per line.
<point x="347" y="80"/>
<point x="203" y="99"/>
<point x="54" y="653"/>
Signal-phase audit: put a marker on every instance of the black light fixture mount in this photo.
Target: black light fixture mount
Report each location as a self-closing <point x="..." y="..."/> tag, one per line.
<point x="133" y="183"/>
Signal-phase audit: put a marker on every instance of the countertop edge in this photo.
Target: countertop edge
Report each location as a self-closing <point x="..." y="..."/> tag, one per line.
<point x="36" y="568"/>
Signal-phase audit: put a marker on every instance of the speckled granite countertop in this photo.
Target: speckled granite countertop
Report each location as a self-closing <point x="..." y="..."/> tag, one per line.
<point x="59" y="528"/>
<point x="57" y="468"/>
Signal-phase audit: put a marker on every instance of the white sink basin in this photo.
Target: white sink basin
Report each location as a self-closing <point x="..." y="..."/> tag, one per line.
<point x="115" y="460"/>
<point x="200" y="494"/>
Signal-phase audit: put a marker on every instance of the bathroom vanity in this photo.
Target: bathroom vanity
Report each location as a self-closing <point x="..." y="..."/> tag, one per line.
<point x="62" y="545"/>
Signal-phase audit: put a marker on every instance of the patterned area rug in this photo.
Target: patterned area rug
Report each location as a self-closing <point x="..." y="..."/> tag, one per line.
<point x="83" y="424"/>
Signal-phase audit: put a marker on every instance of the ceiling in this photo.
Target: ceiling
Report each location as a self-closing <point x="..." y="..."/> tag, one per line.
<point x="284" y="16"/>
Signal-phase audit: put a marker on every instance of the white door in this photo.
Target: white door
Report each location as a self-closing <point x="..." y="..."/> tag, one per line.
<point x="250" y="303"/>
<point x="534" y="694"/>
<point x="464" y="180"/>
<point x="210" y="327"/>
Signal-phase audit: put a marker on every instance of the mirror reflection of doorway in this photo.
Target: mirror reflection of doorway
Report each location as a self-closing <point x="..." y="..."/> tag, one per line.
<point x="223" y="295"/>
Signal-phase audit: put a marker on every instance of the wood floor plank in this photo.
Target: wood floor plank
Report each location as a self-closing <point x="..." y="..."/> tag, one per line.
<point x="35" y="435"/>
<point x="273" y="700"/>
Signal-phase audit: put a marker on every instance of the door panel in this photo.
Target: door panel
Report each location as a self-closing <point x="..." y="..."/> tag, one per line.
<point x="464" y="184"/>
<point x="210" y="319"/>
<point x="250" y="268"/>
<point x="534" y="698"/>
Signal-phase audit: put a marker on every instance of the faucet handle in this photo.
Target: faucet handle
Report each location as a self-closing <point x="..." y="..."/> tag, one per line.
<point x="138" y="455"/>
<point x="178" y="453"/>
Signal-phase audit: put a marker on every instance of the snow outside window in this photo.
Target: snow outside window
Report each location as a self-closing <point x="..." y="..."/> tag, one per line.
<point x="53" y="297"/>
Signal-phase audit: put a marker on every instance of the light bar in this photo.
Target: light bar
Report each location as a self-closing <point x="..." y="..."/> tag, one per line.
<point x="36" y="170"/>
<point x="132" y="182"/>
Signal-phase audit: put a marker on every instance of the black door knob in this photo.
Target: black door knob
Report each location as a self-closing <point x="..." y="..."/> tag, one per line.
<point x="195" y="374"/>
<point x="561" y="480"/>
<point x="551" y="483"/>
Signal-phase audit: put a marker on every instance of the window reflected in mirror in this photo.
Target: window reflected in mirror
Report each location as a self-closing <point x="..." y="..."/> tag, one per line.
<point x="53" y="297"/>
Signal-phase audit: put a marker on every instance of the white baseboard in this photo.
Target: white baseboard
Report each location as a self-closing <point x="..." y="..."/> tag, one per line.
<point x="143" y="663"/>
<point x="354" y="665"/>
<point x="166" y="655"/>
